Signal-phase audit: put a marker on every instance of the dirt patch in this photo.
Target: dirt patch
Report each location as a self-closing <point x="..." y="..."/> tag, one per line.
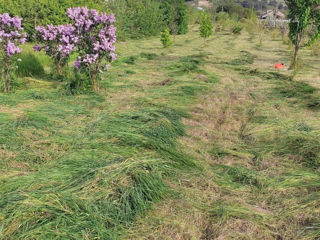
<point x="165" y="82"/>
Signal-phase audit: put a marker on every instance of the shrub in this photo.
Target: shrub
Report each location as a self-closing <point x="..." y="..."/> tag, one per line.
<point x="237" y="28"/>
<point x="166" y="38"/>
<point x="222" y="21"/>
<point x="97" y="36"/>
<point x="58" y="42"/>
<point x="11" y="36"/>
<point x="206" y="26"/>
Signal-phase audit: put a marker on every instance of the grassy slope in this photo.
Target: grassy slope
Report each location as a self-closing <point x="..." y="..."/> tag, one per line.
<point x="83" y="167"/>
<point x="256" y="133"/>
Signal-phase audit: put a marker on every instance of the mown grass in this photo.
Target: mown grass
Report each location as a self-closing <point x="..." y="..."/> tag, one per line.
<point x="164" y="150"/>
<point x="257" y="138"/>
<point x="85" y="166"/>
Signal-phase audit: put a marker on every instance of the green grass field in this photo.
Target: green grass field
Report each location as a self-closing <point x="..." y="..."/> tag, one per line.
<point x="188" y="142"/>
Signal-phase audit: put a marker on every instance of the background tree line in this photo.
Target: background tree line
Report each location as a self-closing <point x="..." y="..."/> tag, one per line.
<point x="135" y="18"/>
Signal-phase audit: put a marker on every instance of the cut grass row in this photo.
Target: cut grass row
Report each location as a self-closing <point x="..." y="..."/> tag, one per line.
<point x="84" y="166"/>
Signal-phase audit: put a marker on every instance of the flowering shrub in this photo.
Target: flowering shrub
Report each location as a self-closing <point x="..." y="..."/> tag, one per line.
<point x="58" y="42"/>
<point x="97" y="36"/>
<point x="11" y="36"/>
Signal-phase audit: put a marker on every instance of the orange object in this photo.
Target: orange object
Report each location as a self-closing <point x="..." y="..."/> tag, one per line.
<point x="279" y="66"/>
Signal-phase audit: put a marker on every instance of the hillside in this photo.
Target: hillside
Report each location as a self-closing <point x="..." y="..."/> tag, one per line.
<point x="188" y="142"/>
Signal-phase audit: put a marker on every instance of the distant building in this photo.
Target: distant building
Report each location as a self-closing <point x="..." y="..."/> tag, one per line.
<point x="275" y="14"/>
<point x="204" y="4"/>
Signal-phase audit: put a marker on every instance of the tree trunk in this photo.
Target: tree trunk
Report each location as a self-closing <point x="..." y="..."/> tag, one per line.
<point x="6" y="81"/>
<point x="59" y="69"/>
<point x="94" y="81"/>
<point x="296" y="51"/>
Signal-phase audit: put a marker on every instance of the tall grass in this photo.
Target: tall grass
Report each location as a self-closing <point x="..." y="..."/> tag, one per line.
<point x="29" y="66"/>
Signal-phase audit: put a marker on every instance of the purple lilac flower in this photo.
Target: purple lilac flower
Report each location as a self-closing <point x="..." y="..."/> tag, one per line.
<point x="11" y="35"/>
<point x="37" y="48"/>
<point x="59" y="41"/>
<point x="96" y="37"/>
<point x="12" y="49"/>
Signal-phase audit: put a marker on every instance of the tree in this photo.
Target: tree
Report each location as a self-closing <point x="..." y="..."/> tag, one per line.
<point x="182" y="20"/>
<point x="166" y="38"/>
<point x="175" y="14"/>
<point x="303" y="14"/>
<point x="206" y="26"/>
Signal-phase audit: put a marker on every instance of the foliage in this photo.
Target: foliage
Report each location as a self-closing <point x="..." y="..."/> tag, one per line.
<point x="166" y="38"/>
<point x="303" y="13"/>
<point x="44" y="12"/>
<point x="206" y="26"/>
<point x="137" y="18"/>
<point x="237" y="28"/>
<point x="182" y="17"/>
<point x="175" y="15"/>
<point x="315" y="49"/>
<point x="222" y="21"/>
<point x="11" y="37"/>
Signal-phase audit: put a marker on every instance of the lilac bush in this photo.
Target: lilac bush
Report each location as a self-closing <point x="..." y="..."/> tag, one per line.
<point x="58" y="42"/>
<point x="11" y="37"/>
<point x="96" y="43"/>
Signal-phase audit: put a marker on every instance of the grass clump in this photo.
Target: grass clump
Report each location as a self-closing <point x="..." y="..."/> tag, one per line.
<point x="131" y="60"/>
<point x="148" y="56"/>
<point x="189" y="64"/>
<point x="245" y="58"/>
<point x="305" y="145"/>
<point x="238" y="175"/>
<point x="264" y="75"/>
<point x="29" y="66"/>
<point x="293" y="89"/>
<point x="314" y="103"/>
